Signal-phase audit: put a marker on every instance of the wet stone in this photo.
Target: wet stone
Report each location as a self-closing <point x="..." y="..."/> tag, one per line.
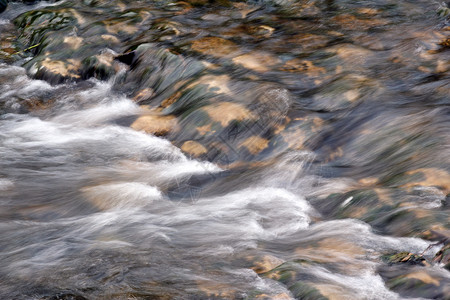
<point x="302" y="290"/>
<point x="442" y="257"/>
<point x="165" y="73"/>
<point x="155" y="124"/>
<point x="102" y="66"/>
<point x="194" y="148"/>
<point x="57" y="71"/>
<point x="257" y="61"/>
<point x="281" y="296"/>
<point x="265" y="263"/>
<point x="309" y="42"/>
<point x="275" y="78"/>
<point x="405" y="258"/>
<point x="415" y="282"/>
<point x="227" y="112"/>
<point x="350" y="22"/>
<point x="254" y="144"/>
<point x="143" y="95"/>
<point x="430" y="177"/>
<point x="214" y="46"/>
<point x="290" y="275"/>
<point x="64" y="296"/>
<point x="438" y="234"/>
<point x="303" y="66"/>
<point x="355" y="204"/>
<point x="73" y="41"/>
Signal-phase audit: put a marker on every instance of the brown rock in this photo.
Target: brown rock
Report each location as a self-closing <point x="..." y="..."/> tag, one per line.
<point x="143" y="95"/>
<point x="303" y="66"/>
<point x="433" y="177"/>
<point x="255" y="144"/>
<point x="155" y="124"/>
<point x="225" y="112"/>
<point x="214" y="46"/>
<point x="74" y="42"/>
<point x="257" y="61"/>
<point x="68" y="69"/>
<point x="194" y="148"/>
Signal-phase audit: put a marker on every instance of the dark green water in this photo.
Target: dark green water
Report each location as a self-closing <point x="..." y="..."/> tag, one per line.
<point x="224" y="150"/>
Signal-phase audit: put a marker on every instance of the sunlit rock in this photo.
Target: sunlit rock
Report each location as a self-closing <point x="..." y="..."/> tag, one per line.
<point x="282" y="296"/>
<point x="194" y="148"/>
<point x="254" y="144"/>
<point x="350" y="22"/>
<point x="155" y="124"/>
<point x="101" y="66"/>
<point x="120" y="27"/>
<point x="226" y="112"/>
<point x="73" y="41"/>
<point x="265" y="263"/>
<point x="443" y="256"/>
<point x="300" y="289"/>
<point x="214" y="46"/>
<point x="257" y="61"/>
<point x="432" y="177"/>
<point x="244" y="8"/>
<point x="110" y="38"/>
<point x="330" y="250"/>
<point x="405" y="258"/>
<point x="303" y="66"/>
<point x="368" y="11"/>
<point x="351" y="54"/>
<point x="57" y="71"/>
<point x="216" y="84"/>
<point x="415" y="281"/>
<point x="144" y="95"/>
<point x="308" y="41"/>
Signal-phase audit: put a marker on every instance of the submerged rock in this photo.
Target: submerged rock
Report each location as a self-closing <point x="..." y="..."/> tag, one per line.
<point x="257" y="61"/>
<point x="64" y="296"/>
<point x="158" y="125"/>
<point x="57" y="71"/>
<point x="442" y="257"/>
<point x="416" y="281"/>
<point x="302" y="290"/>
<point x="214" y="46"/>
<point x="194" y="148"/>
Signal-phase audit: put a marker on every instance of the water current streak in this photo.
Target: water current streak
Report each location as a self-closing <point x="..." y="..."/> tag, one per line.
<point x="224" y="150"/>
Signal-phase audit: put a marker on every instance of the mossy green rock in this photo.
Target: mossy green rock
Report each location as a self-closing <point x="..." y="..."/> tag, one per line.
<point x="303" y="291"/>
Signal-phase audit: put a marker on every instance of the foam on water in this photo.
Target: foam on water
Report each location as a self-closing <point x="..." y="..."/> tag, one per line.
<point x="5" y="69"/>
<point x="128" y="174"/>
<point x="103" y="188"/>
<point x="365" y="285"/>
<point x="5" y="184"/>
<point x="361" y="234"/>
<point x="99" y="114"/>
<point x="121" y="194"/>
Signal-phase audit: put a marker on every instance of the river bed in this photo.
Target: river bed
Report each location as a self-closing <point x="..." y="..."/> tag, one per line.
<point x="224" y="150"/>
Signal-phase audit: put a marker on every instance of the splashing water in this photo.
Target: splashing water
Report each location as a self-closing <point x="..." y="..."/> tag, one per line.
<point x="224" y="150"/>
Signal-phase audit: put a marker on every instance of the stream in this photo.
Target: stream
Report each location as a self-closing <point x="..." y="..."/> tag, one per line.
<point x="272" y="149"/>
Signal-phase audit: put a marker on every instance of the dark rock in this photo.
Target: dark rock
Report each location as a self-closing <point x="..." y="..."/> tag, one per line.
<point x="303" y="291"/>
<point x="415" y="281"/>
<point x="443" y="257"/>
<point x="65" y="296"/>
<point x="3" y="5"/>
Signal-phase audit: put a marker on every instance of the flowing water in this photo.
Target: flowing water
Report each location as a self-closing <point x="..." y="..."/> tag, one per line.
<point x="224" y="150"/>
